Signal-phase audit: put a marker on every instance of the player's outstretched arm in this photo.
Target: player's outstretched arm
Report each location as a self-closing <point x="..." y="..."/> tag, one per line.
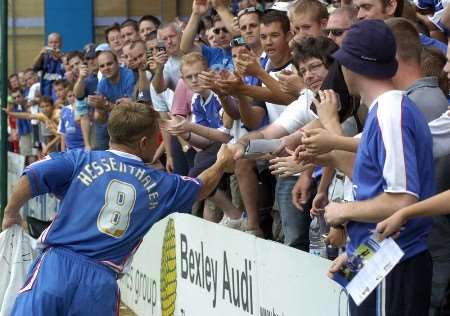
<point x="20" y="195"/>
<point x="211" y="176"/>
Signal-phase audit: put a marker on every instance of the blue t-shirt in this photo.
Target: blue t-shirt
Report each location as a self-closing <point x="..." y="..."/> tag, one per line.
<point x="52" y="70"/>
<point x="218" y="58"/>
<point x="109" y="201"/>
<point x="23" y="126"/>
<point x="124" y="88"/>
<point x="431" y="42"/>
<point x="70" y="128"/>
<point x="394" y="155"/>
<point x="207" y="113"/>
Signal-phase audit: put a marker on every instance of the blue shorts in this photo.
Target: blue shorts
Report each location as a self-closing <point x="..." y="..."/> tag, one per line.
<point x="61" y="282"/>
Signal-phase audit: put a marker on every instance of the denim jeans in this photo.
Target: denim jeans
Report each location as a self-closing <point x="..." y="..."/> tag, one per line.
<point x="295" y="223"/>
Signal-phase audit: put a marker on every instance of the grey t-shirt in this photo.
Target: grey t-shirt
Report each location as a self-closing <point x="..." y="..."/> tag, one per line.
<point x="429" y="98"/>
<point x="431" y="101"/>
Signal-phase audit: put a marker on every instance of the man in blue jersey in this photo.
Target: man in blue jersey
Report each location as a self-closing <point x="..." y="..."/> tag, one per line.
<point x="393" y="168"/>
<point x="109" y="200"/>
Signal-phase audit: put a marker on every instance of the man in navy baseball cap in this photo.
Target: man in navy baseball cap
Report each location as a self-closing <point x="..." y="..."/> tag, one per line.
<point x="393" y="168"/>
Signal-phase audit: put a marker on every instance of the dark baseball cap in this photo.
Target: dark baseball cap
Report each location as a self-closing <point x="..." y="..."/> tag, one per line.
<point x="369" y="49"/>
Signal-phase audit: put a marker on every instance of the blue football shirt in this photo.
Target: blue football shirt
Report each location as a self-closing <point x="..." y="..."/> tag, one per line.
<point x="394" y="155"/>
<point x="109" y="200"/>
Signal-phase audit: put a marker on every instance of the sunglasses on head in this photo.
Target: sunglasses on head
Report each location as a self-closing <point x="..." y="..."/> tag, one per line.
<point x="246" y="11"/>
<point x="218" y="30"/>
<point x="335" y="32"/>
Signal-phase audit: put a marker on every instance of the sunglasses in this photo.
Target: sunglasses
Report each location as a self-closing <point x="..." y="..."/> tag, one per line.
<point x="218" y="30"/>
<point x="335" y="32"/>
<point x="247" y="11"/>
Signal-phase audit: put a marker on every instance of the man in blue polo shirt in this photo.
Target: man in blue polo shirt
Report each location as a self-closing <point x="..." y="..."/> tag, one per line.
<point x="393" y="168"/>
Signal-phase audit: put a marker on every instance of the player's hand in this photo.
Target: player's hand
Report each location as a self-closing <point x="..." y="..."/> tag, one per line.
<point x="200" y="7"/>
<point x="337" y="264"/>
<point x="11" y="219"/>
<point x="391" y="226"/>
<point x="327" y="107"/>
<point x="225" y="156"/>
<point x="334" y="213"/>
<point x="318" y="141"/>
<point x="319" y="203"/>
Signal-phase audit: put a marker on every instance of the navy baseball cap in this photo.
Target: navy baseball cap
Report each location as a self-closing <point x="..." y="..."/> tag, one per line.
<point x="369" y="49"/>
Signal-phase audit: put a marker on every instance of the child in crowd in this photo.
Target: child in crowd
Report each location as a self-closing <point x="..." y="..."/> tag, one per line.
<point x="69" y="128"/>
<point x="48" y="118"/>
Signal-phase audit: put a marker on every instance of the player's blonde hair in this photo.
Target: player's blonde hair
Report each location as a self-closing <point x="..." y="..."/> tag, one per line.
<point x="129" y="121"/>
<point x="192" y="58"/>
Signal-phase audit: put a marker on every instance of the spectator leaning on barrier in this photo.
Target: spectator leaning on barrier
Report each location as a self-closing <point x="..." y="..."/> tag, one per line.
<point x="86" y="85"/>
<point x="367" y="56"/>
<point x="206" y="131"/>
<point x="117" y="83"/>
<point x="49" y="61"/>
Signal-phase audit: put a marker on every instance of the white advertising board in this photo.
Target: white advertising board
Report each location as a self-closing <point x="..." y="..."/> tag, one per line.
<point x="187" y="266"/>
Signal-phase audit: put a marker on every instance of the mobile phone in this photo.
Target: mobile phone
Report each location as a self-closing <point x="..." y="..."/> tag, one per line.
<point x="149" y="54"/>
<point x="161" y="46"/>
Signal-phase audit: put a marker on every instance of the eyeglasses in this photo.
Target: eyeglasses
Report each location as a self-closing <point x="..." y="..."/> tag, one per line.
<point x="247" y="11"/>
<point x="311" y="68"/>
<point x="218" y="30"/>
<point x="335" y="32"/>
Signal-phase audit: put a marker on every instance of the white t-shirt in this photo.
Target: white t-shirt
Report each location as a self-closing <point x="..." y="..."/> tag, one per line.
<point x="274" y="110"/>
<point x="35" y="90"/>
<point x="172" y="73"/>
<point x="162" y="102"/>
<point x="298" y="113"/>
<point x="440" y="130"/>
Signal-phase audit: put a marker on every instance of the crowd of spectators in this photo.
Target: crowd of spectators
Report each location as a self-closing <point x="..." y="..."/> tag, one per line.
<point x="355" y="91"/>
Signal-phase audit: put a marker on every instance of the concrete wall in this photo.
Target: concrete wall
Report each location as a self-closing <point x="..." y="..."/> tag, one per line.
<point x="26" y="23"/>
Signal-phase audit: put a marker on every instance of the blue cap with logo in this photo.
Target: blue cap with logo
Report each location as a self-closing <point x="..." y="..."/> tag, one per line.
<point x="369" y="49"/>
